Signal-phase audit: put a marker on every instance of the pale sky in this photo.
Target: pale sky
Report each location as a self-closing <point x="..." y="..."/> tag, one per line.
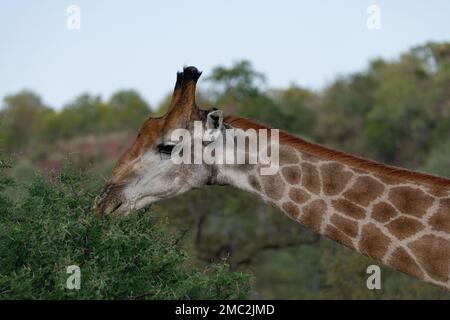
<point x="141" y="44"/>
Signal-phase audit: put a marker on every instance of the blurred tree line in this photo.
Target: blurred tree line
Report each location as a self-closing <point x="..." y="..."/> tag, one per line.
<point x="397" y="112"/>
<point x="26" y="122"/>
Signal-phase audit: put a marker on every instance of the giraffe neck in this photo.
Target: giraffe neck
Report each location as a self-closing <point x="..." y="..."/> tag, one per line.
<point x="393" y="218"/>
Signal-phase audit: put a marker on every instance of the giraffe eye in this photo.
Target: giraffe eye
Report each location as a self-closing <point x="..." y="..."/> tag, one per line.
<point x="165" y="148"/>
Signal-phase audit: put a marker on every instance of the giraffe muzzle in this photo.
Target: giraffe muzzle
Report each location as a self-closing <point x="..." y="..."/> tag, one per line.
<point x="109" y="201"/>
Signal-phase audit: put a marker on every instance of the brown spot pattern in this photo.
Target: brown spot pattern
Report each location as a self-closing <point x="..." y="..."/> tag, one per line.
<point x="273" y="186"/>
<point x="349" y="209"/>
<point x="410" y="200"/>
<point x="292" y="174"/>
<point x="433" y="254"/>
<point x="402" y="261"/>
<point x="404" y="227"/>
<point x="438" y="192"/>
<point x="359" y="171"/>
<point x="345" y="225"/>
<point x="312" y="214"/>
<point x="386" y="179"/>
<point x="334" y="178"/>
<point x="440" y="221"/>
<point x="310" y="179"/>
<point x="291" y="209"/>
<point x="373" y="242"/>
<point x="298" y="195"/>
<point x="287" y="156"/>
<point x="383" y="212"/>
<point x="338" y="236"/>
<point x="364" y="191"/>
<point x="309" y="157"/>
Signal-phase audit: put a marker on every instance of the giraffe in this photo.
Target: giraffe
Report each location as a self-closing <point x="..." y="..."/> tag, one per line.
<point x="398" y="217"/>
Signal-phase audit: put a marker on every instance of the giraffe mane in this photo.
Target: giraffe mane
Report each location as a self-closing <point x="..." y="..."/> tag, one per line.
<point x="357" y="162"/>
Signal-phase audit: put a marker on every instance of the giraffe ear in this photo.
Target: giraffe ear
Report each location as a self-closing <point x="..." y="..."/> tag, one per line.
<point x="214" y="120"/>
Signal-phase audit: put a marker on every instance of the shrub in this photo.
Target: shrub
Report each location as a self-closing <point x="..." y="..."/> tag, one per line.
<point x="52" y="227"/>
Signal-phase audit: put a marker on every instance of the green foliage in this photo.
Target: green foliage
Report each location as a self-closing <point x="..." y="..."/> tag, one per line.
<point x="5" y="183"/>
<point x="438" y="160"/>
<point x="26" y="121"/>
<point x="237" y="81"/>
<point x="19" y="120"/>
<point x="53" y="227"/>
<point x="343" y="111"/>
<point x="398" y="115"/>
<point x="128" y="109"/>
<point x="298" y="106"/>
<point x="238" y="89"/>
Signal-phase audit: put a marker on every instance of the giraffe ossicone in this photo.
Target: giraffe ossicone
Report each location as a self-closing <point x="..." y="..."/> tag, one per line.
<point x="398" y="217"/>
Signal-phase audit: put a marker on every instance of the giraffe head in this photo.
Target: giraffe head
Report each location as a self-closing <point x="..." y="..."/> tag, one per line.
<point x="145" y="173"/>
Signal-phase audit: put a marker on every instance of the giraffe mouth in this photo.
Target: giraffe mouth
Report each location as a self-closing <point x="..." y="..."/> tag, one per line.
<point x="108" y="209"/>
